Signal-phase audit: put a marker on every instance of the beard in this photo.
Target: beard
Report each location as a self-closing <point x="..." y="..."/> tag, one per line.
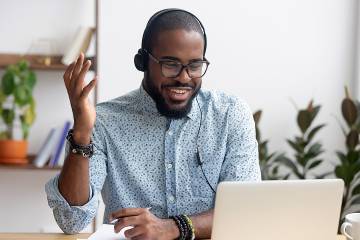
<point x="163" y="108"/>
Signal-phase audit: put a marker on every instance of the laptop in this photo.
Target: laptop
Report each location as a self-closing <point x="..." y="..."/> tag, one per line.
<point x="278" y="210"/>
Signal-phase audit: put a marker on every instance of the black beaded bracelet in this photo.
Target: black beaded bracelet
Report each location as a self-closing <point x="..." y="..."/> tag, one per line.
<point x="190" y="226"/>
<point x="85" y="150"/>
<point x="180" y="226"/>
<point x="186" y="227"/>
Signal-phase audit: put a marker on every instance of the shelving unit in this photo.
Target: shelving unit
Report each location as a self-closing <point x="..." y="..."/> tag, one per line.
<point x="28" y="166"/>
<point x="37" y="64"/>
<point x="36" y="61"/>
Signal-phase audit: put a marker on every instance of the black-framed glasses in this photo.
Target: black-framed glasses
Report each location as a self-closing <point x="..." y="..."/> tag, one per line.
<point x="172" y="68"/>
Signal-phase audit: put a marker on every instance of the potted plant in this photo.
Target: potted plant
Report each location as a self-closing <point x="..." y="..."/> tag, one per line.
<point x="17" y="105"/>
<point x="269" y="162"/>
<point x="348" y="166"/>
<point x="307" y="151"/>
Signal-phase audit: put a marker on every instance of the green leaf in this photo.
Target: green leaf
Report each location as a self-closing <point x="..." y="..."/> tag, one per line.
<point x="30" y="80"/>
<point x="2" y="96"/>
<point x="341" y="156"/>
<point x="304" y="119"/>
<point x="356" y="190"/>
<point x="28" y="117"/>
<point x="22" y="95"/>
<point x="349" y="111"/>
<point x="314" y="151"/>
<point x="314" y="112"/>
<point x="8" y="115"/>
<point x="25" y="128"/>
<point x="286" y="177"/>
<point x="23" y="65"/>
<point x="322" y="176"/>
<point x="295" y="146"/>
<point x="352" y="139"/>
<point x="314" y="164"/>
<point x="290" y="164"/>
<point x="8" y="83"/>
<point x="257" y="116"/>
<point x="312" y="133"/>
<point x="353" y="156"/>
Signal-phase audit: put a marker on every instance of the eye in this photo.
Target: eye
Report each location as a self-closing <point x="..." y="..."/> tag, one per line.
<point x="195" y="66"/>
<point x="170" y="64"/>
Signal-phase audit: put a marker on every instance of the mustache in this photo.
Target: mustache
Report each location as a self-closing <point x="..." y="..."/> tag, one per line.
<point x="178" y="85"/>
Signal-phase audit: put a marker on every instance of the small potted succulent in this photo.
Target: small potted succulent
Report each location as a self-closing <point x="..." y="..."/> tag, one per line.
<point x="17" y="111"/>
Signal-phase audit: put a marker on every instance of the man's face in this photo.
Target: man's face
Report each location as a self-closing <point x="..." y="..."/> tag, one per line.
<point x="173" y="96"/>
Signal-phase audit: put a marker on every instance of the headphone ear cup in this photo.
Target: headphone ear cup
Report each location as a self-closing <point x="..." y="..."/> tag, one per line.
<point x="141" y="60"/>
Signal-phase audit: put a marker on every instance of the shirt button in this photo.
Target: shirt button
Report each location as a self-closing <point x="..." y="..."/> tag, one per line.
<point x="170" y="133"/>
<point x="171" y="198"/>
<point x="169" y="166"/>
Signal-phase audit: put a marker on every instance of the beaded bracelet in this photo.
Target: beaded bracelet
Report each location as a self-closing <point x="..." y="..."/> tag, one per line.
<point x="185" y="226"/>
<point x="191" y="226"/>
<point x="180" y="227"/>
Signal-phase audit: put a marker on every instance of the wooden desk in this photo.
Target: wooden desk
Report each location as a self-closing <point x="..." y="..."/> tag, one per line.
<point x="42" y="236"/>
<point x="57" y="236"/>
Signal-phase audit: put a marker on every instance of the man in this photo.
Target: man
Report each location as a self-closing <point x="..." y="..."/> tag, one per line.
<point x="159" y="151"/>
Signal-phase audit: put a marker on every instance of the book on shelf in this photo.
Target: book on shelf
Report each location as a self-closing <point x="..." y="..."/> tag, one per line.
<point x="80" y="43"/>
<point x="52" y="150"/>
<point x="46" y="149"/>
<point x="59" y="148"/>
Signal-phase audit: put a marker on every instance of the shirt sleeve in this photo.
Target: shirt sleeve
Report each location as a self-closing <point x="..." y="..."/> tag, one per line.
<point x="241" y="161"/>
<point x="73" y="219"/>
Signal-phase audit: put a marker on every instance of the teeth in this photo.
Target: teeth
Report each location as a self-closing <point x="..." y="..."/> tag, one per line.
<point x="177" y="91"/>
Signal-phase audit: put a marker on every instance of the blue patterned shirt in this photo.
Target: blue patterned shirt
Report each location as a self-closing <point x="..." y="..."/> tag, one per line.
<point x="143" y="159"/>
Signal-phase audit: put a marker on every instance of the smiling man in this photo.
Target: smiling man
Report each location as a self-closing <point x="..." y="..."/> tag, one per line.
<point x="157" y="153"/>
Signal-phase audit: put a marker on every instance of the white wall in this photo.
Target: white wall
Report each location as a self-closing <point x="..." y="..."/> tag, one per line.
<point x="23" y="205"/>
<point x="263" y="51"/>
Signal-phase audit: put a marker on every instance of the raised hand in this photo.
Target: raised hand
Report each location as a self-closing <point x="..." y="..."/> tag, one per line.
<point x="83" y="111"/>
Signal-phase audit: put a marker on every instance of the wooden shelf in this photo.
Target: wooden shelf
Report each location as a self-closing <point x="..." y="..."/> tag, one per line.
<point x="36" y="61"/>
<point x="28" y="166"/>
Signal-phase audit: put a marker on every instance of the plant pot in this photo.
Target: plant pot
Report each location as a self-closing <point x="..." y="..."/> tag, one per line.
<point x="13" y="152"/>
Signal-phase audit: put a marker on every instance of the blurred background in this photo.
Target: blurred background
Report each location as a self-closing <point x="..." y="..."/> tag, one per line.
<point x="273" y="54"/>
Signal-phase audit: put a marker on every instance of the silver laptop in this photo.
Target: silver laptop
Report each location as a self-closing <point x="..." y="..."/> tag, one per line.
<point x="278" y="210"/>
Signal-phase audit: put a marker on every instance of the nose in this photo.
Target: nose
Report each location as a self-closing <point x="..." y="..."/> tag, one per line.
<point x="183" y="77"/>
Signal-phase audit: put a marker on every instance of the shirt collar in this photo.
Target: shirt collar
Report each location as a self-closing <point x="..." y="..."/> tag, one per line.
<point x="147" y="104"/>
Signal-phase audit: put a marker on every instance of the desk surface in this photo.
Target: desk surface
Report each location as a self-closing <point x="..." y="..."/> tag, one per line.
<point x="42" y="236"/>
<point x="57" y="236"/>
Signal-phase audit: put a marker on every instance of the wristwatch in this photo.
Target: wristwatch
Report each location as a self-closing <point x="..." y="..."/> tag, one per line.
<point x="84" y="150"/>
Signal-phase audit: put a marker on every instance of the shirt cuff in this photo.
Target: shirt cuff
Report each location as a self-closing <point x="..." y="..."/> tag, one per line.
<point x="55" y="198"/>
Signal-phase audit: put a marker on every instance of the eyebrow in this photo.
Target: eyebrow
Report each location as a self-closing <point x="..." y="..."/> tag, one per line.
<point x="178" y="60"/>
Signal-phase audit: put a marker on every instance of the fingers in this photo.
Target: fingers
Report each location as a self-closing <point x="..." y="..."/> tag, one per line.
<point x="134" y="232"/>
<point x="67" y="75"/>
<point x="127" y="222"/>
<point x="126" y="212"/>
<point x="87" y="89"/>
<point x="140" y="237"/>
<point x="77" y="69"/>
<point x="79" y="81"/>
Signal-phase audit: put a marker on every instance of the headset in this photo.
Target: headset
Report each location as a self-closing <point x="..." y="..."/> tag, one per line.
<point x="141" y="58"/>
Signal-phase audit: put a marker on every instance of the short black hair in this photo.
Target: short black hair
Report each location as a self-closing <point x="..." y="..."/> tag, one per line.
<point x="172" y="20"/>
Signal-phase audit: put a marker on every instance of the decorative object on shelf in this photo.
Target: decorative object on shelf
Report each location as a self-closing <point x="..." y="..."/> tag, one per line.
<point x="348" y="168"/>
<point x="17" y="111"/>
<point x="44" y="49"/>
<point x="307" y="152"/>
<point x="269" y="162"/>
<point x="80" y="43"/>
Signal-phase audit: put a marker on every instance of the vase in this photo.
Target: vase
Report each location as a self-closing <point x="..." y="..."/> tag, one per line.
<point x="13" y="151"/>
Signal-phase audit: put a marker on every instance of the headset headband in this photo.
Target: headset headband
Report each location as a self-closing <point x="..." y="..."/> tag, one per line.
<point x="161" y="12"/>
